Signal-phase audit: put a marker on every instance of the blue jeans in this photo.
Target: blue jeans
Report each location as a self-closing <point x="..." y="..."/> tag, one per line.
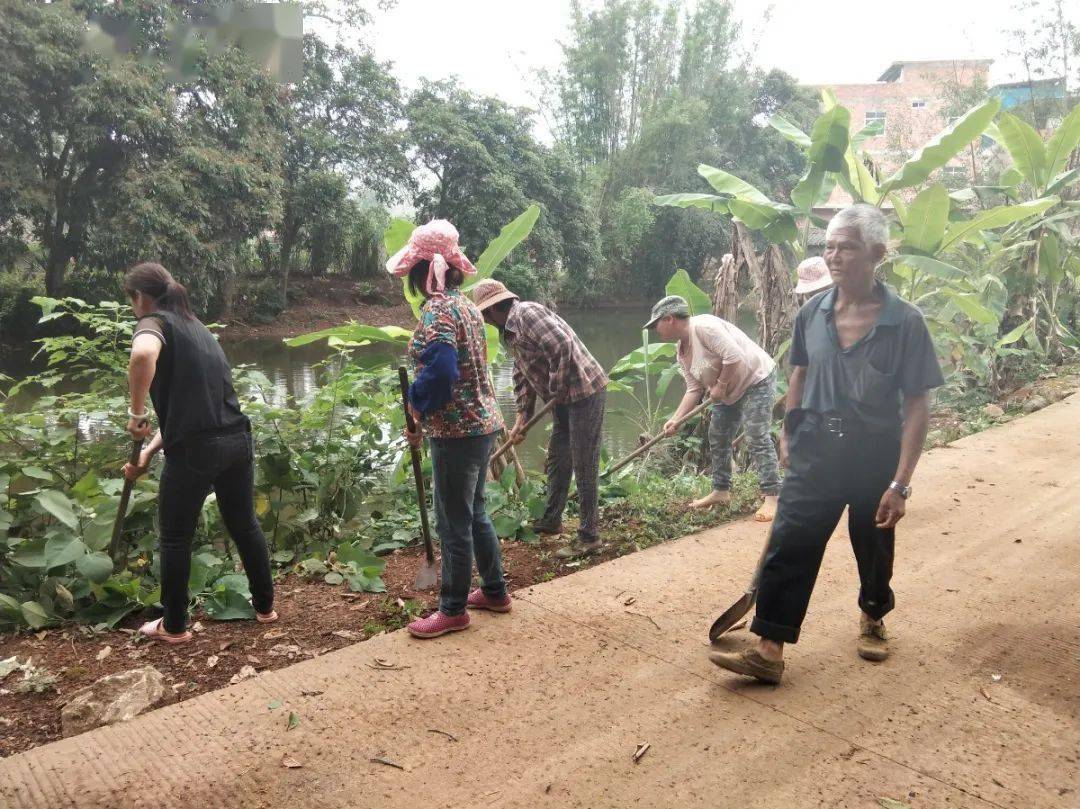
<point x="459" y="471"/>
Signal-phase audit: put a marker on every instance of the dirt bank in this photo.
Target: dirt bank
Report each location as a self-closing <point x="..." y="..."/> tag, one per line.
<point x="320" y="303"/>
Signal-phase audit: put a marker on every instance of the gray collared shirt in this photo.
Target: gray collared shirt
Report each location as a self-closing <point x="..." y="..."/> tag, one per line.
<point x="866" y="380"/>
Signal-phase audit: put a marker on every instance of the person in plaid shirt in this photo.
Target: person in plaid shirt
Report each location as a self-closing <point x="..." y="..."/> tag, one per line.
<point x="551" y="362"/>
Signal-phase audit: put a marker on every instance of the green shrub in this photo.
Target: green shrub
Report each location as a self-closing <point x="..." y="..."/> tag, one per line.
<point x="530" y="283"/>
<point x="18" y="313"/>
<point x="260" y="299"/>
<point x="94" y="284"/>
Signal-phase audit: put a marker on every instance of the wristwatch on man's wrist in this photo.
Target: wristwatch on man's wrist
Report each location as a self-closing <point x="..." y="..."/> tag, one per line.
<point x="901" y="489"/>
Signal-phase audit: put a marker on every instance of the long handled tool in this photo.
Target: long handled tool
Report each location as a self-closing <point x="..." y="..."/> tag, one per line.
<point x="543" y="411"/>
<point x="427" y="575"/>
<point x="121" y="510"/>
<point x="656" y="439"/>
<point x="740" y="608"/>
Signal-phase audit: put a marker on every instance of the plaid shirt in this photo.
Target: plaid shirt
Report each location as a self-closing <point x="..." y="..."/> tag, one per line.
<point x="550" y="361"/>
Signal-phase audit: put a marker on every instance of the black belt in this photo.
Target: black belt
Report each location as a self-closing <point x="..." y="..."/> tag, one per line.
<point x="839" y="426"/>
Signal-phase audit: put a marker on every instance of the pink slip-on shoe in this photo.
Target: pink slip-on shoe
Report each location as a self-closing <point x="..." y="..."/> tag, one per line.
<point x="155" y="630"/>
<point x="437" y="624"/>
<point x="479" y="600"/>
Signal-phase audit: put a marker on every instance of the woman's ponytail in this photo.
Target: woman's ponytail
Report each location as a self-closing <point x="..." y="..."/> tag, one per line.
<point x="176" y="299"/>
<point x="157" y="283"/>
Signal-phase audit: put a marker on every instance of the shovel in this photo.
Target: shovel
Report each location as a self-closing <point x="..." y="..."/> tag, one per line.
<point x="543" y="411"/>
<point x="740" y="608"/>
<point x="121" y="510"/>
<point x="427" y="575"/>
<point x="655" y="439"/>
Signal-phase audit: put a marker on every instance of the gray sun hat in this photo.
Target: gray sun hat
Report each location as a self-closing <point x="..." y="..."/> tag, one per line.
<point x="671" y="305"/>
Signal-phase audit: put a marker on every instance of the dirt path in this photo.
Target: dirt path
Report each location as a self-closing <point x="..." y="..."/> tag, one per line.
<point x="979" y="707"/>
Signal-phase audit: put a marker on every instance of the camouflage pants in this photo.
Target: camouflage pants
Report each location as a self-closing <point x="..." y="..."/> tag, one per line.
<point x="754" y="412"/>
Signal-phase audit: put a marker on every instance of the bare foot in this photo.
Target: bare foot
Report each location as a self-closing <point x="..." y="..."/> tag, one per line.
<point x="767" y="510"/>
<point x="713" y="498"/>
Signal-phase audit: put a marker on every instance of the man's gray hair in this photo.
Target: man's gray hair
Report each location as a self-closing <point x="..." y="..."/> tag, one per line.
<point x="866" y="220"/>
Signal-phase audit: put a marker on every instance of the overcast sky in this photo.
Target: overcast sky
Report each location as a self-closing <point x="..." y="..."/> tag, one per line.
<point x="493" y="45"/>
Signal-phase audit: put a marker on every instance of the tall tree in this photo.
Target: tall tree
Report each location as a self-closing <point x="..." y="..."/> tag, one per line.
<point x="107" y="160"/>
<point x="648" y="90"/>
<point x="482" y="167"/>
<point x="341" y="137"/>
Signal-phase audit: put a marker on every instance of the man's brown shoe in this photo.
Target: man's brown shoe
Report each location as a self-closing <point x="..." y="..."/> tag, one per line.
<point x="750" y="663"/>
<point x="546" y="528"/>
<point x="873" y="640"/>
<point x="578" y="547"/>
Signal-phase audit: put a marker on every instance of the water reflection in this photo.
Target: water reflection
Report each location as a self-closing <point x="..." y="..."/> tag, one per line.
<point x="609" y="334"/>
<point x="296" y="374"/>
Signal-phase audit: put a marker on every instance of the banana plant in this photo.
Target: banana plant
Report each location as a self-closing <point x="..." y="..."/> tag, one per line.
<point x="1042" y="170"/>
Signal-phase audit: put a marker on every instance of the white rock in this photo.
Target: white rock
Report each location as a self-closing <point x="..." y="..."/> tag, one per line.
<point x="111" y="699"/>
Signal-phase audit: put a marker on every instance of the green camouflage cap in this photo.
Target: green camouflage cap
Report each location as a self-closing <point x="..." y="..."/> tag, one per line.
<point x="671" y="305"/>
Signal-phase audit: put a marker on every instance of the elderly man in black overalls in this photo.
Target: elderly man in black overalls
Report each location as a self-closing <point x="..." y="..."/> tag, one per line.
<point x="863" y="366"/>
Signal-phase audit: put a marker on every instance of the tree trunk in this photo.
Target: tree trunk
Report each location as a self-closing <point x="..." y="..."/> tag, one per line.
<point x="228" y="294"/>
<point x="726" y="294"/>
<point x="55" y="269"/>
<point x="772" y="277"/>
<point x="288" y="243"/>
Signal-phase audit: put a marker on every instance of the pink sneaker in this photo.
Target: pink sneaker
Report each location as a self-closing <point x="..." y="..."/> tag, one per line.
<point x="479" y="600"/>
<point x="438" y="624"/>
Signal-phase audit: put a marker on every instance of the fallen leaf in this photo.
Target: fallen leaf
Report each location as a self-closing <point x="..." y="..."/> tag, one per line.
<point x="293" y="721"/>
<point x="246" y="673"/>
<point x="890" y="803"/>
<point x="274" y="705"/>
<point x="105" y="652"/>
<point x="289" y="650"/>
<point x="7" y="666"/>
<point x="312" y="693"/>
<point x="274" y="634"/>
<point x="996" y="678"/>
<point x="211" y="661"/>
<point x="348" y="634"/>
<point x="387" y="762"/>
<point x="642" y="749"/>
<point x="445" y="733"/>
<point x="400" y="603"/>
<point x="225" y="645"/>
<point x="254" y="660"/>
<point x="290" y="763"/>
<point x="197" y="626"/>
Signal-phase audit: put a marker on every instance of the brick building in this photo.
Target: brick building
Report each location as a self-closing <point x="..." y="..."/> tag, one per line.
<point x="908" y="105"/>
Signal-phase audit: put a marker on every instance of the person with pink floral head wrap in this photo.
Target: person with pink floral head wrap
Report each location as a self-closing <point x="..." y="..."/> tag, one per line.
<point x="454" y="404"/>
<point x="436" y="243"/>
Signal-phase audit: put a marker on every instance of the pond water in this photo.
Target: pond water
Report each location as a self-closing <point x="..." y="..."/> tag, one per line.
<point x="609" y="334"/>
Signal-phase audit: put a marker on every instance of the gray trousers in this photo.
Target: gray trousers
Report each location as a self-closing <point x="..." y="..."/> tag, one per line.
<point x="574" y="450"/>
<point x="754" y="412"/>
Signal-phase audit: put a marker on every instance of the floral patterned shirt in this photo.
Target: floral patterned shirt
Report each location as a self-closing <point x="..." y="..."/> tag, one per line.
<point x="452" y="318"/>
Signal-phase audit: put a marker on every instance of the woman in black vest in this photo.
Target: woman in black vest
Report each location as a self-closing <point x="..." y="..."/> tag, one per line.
<point x="206" y="438"/>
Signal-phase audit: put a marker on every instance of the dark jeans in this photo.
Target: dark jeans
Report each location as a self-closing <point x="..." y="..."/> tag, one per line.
<point x="459" y="472"/>
<point x="223" y="462"/>
<point x="574" y="451"/>
<point x="826" y="473"/>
